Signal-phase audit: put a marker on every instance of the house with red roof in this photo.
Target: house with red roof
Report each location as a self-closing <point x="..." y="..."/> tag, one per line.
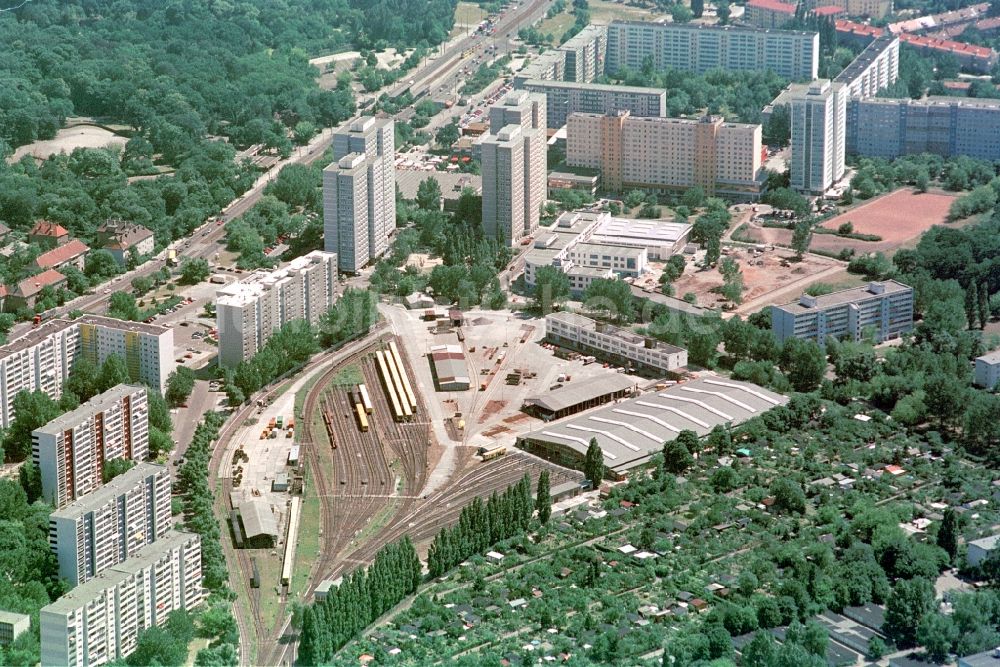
<point x="25" y="293"/>
<point x="47" y="234"/>
<point x="119" y="238"/>
<point x="69" y="254"/>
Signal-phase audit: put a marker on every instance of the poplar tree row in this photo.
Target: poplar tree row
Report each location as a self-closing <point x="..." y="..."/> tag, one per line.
<point x="481" y="525"/>
<point x="363" y="596"/>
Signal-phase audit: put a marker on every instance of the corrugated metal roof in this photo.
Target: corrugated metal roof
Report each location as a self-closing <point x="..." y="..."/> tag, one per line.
<point x="579" y="392"/>
<point x="258" y="519"/>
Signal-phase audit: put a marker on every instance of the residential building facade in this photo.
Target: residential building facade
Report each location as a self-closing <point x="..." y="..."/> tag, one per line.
<point x="611" y="343"/>
<point x="100" y="621"/>
<point x="71" y="450"/>
<point x="987" y="374"/>
<point x="41" y="359"/>
<point x="875" y="68"/>
<point x="667" y="154"/>
<point x="700" y="48"/>
<point x="885" y="309"/>
<point x="365" y="151"/>
<point x="585" y="54"/>
<point x="12" y="626"/>
<point x="249" y="311"/>
<point x="122" y="238"/>
<point x="819" y="118"/>
<point x="946" y="126"/>
<point x="563" y="98"/>
<point x="768" y="13"/>
<point x="104" y="528"/>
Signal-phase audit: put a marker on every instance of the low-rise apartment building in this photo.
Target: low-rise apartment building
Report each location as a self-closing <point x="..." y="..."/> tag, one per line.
<point x="987" y="373"/>
<point x="12" y="626"/>
<point x="668" y="154"/>
<point x="104" y="528"/>
<point x="768" y="13"/>
<point x="100" y="621"/>
<point x="249" y="311"/>
<point x="619" y="346"/>
<point x="883" y="309"/>
<point x="566" y="97"/>
<point x="71" y="450"/>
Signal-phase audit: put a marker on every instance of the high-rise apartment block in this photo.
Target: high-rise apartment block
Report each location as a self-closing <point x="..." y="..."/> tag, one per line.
<point x="585" y="54"/>
<point x="563" y="98"/>
<point x="100" y="621"/>
<point x="769" y="13"/>
<point x="819" y="126"/>
<point x="41" y="360"/>
<point x="71" y="450"/>
<point x="359" y="193"/>
<point x="700" y="48"/>
<point x="875" y="68"/>
<point x="104" y="528"/>
<point x="667" y="154"/>
<point x="513" y="166"/>
<point x="945" y="126"/>
<point x="248" y="312"/>
<point x="885" y="309"/>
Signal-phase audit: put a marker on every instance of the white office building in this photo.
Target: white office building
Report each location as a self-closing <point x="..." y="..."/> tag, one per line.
<point x="99" y="622"/>
<point x="514" y="166"/>
<point x="41" y="359"/>
<point x="359" y="193"/>
<point x="819" y="128"/>
<point x="611" y="343"/>
<point x="104" y="528"/>
<point x="249" y="311"/>
<point x="71" y="450"/>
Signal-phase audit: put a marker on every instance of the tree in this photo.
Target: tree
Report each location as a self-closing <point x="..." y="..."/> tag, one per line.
<point x="193" y="271"/>
<point x="99" y="265"/>
<point x="732" y="280"/>
<point x="122" y="306"/>
<point x="803" y="362"/>
<point x="911" y="600"/>
<point x="947" y="537"/>
<point x="788" y="496"/>
<point x="32" y="410"/>
<point x="937" y="634"/>
<point x="113" y="372"/>
<point x="612" y="296"/>
<point x="676" y="457"/>
<point x="180" y="383"/>
<point x="551" y="288"/>
<point x="429" y="194"/>
<point x="972" y="304"/>
<point x="698" y="8"/>
<point x="681" y="13"/>
<point x="689" y="440"/>
<point x="723" y="12"/>
<point x="447" y="135"/>
<point x="945" y="397"/>
<point x="801" y="237"/>
<point x="593" y="463"/>
<point x="543" y="500"/>
<point x="114" y="467"/>
<point x="984" y="305"/>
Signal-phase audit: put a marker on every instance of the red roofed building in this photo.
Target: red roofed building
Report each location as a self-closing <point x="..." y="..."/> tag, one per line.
<point x="826" y="11"/>
<point x="25" y="293"/>
<point x="47" y="234"/>
<point x="768" y="13"/>
<point x="71" y="253"/>
<point x="971" y="57"/>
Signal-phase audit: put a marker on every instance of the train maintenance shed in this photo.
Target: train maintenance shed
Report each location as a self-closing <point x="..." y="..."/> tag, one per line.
<point x="579" y="396"/>
<point x="630" y="432"/>
<point x="451" y="372"/>
<point x="260" y="528"/>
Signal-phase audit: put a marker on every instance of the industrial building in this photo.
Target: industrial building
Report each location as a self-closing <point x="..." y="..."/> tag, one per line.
<point x="819" y="119"/>
<point x="249" y="311"/>
<point x="566" y="97"/>
<point x="586" y="245"/>
<point x="71" y="450"/>
<point x="359" y="193"/>
<point x="885" y="309"/>
<point x="699" y="48"/>
<point x="258" y="526"/>
<point x="668" y="154"/>
<point x="41" y="359"/>
<point x="987" y="372"/>
<point x="12" y="626"/>
<point x="615" y="345"/>
<point x="630" y="432"/>
<point x="514" y="166"/>
<point x="105" y="527"/>
<point x="945" y="126"/>
<point x="578" y="396"/>
<point x="100" y="621"/>
<point x="451" y="371"/>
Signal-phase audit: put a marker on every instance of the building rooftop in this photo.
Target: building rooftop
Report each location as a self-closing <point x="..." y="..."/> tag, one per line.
<point x="62" y="254"/>
<point x="964" y="14"/>
<point x="122" y="235"/>
<point x="701" y="27"/>
<point x="827" y="10"/>
<point x="864" y="60"/>
<point x="85" y="410"/>
<point x="122" y="325"/>
<point x="625" y="335"/>
<point x="258" y="519"/>
<point x="449" y="363"/>
<point x="12" y="617"/>
<point x="31" y="286"/>
<point x="990" y="357"/>
<point x="146" y="556"/>
<point x="117" y="486"/>
<point x="578" y="392"/>
<point x="631" y="431"/>
<point x="772" y="6"/>
<point x="987" y="543"/>
<point x="938" y="101"/>
<point x="984" y="659"/>
<point x="850" y="295"/>
<point x="646" y="231"/>
<point x="573" y="85"/>
<point x="257" y="283"/>
<point x="46" y="228"/>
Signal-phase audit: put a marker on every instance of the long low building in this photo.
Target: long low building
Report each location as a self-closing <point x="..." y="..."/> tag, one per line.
<point x="579" y="396"/>
<point x="451" y="372"/>
<point x="609" y="343"/>
<point x="566" y="97"/>
<point x="629" y="433"/>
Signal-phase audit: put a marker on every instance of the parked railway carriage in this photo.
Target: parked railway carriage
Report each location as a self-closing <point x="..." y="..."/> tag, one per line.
<point x="407" y="387"/>
<point x="390" y="391"/>
<point x="362" y="417"/>
<point x="488" y="454"/>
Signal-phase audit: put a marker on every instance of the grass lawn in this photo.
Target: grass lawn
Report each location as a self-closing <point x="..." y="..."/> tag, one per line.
<point x="557" y="25"/>
<point x="605" y="11"/>
<point x="466" y="14"/>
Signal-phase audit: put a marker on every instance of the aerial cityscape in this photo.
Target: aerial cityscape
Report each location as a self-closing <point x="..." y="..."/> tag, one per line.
<point x="500" y="332"/>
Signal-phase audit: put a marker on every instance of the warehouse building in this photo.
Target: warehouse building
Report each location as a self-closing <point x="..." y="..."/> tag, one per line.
<point x="619" y="346"/>
<point x="260" y="528"/>
<point x="629" y="433"/>
<point x="579" y="396"/>
<point x="451" y="372"/>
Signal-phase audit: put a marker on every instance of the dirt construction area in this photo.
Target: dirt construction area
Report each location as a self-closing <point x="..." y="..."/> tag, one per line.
<point x="66" y="139"/>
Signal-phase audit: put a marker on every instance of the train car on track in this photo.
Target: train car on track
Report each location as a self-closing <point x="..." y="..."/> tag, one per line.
<point x="288" y="563"/>
<point x="397" y="383"/>
<point x="490" y="453"/>
<point x="365" y="399"/>
<point x="390" y="391"/>
<point x="410" y="396"/>
<point x="362" y="417"/>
